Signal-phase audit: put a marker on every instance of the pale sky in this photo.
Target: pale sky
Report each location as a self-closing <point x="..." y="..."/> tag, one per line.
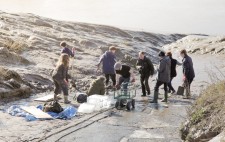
<point x="161" y="16"/>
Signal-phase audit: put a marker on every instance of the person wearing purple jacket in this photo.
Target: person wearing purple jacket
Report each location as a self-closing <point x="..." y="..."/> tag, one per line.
<point x="108" y="60"/>
<point x="66" y="50"/>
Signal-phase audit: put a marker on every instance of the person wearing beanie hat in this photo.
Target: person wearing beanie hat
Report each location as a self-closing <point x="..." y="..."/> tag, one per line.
<point x="108" y="60"/>
<point x="123" y="74"/>
<point x="163" y="77"/>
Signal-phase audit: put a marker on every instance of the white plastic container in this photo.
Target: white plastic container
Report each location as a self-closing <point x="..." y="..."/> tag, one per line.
<point x="86" y="108"/>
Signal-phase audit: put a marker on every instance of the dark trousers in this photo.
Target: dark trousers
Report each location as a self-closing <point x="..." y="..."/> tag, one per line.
<point x="144" y="84"/>
<point x="59" y="87"/>
<point x="158" y="84"/>
<point x="170" y="85"/>
<point x="113" y="78"/>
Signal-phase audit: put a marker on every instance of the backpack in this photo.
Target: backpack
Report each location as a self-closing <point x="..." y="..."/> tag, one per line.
<point x="53" y="106"/>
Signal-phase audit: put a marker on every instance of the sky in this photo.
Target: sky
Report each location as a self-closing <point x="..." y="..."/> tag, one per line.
<point x="160" y="16"/>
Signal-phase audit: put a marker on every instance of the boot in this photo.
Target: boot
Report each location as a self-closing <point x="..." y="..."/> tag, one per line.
<point x="188" y="93"/>
<point x="155" y="100"/>
<point x="66" y="101"/>
<point x="165" y="97"/>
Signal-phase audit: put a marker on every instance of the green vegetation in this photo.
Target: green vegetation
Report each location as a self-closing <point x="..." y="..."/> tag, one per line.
<point x="206" y="118"/>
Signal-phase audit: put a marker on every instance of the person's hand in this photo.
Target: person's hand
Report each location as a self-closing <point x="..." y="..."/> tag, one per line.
<point x="66" y="82"/>
<point x="117" y="86"/>
<point x="73" y="49"/>
<point x="138" y="67"/>
<point x="184" y="78"/>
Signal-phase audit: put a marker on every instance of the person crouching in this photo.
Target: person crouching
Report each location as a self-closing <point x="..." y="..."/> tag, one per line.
<point x="123" y="75"/>
<point x="60" y="77"/>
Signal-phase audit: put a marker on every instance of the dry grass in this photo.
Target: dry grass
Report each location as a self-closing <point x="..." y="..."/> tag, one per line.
<point x="207" y="115"/>
<point x="15" y="45"/>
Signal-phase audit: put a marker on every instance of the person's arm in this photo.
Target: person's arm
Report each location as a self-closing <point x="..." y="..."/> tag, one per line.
<point x="132" y="75"/>
<point x="151" y="67"/>
<point x="71" y="53"/>
<point x="179" y="64"/>
<point x="138" y="64"/>
<point x="162" y="66"/>
<point x="100" y="61"/>
<point x="186" y="67"/>
<point x="64" y="74"/>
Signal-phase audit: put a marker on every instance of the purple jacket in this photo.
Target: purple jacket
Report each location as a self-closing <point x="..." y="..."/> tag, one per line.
<point x="108" y="60"/>
<point x="67" y="51"/>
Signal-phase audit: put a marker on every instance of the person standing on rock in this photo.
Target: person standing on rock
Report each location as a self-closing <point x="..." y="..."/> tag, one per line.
<point x="163" y="77"/>
<point x="188" y="72"/>
<point x="173" y="73"/>
<point x="60" y="75"/>
<point x="66" y="50"/>
<point x="123" y="75"/>
<point x="108" y="60"/>
<point x="146" y="69"/>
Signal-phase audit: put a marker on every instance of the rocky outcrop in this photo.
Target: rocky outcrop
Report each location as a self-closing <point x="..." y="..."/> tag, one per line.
<point x="206" y="117"/>
<point x="199" y="44"/>
<point x="12" y="85"/>
<point x="9" y="58"/>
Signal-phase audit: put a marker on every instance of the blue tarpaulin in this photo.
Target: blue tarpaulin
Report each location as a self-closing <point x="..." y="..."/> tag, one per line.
<point x="67" y="113"/>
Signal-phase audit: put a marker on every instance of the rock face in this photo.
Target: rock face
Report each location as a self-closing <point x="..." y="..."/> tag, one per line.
<point x="29" y="45"/>
<point x="11" y="84"/>
<point x="199" y="44"/>
<point x="206" y="117"/>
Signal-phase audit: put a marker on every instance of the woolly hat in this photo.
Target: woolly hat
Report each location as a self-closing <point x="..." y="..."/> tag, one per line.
<point x="117" y="66"/>
<point x="161" y="54"/>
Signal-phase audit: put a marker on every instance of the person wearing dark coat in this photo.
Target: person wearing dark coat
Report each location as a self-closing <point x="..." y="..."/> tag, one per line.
<point x="188" y="72"/>
<point x="108" y="60"/>
<point x="146" y="69"/>
<point x="173" y="73"/>
<point x="163" y="77"/>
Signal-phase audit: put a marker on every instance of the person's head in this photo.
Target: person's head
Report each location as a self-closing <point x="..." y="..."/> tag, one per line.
<point x="169" y="54"/>
<point x="118" y="66"/>
<point x="183" y="53"/>
<point x="63" y="44"/>
<point x="64" y="60"/>
<point x="112" y="49"/>
<point x="161" y="54"/>
<point x="141" y="55"/>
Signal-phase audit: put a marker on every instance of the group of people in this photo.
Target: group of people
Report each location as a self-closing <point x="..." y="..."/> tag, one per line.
<point x="120" y="73"/>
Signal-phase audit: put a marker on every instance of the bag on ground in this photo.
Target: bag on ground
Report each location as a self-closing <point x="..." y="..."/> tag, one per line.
<point x="53" y="106"/>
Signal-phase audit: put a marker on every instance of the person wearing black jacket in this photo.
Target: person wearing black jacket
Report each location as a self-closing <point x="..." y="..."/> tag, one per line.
<point x="188" y="72"/>
<point x="146" y="69"/>
<point x="173" y="72"/>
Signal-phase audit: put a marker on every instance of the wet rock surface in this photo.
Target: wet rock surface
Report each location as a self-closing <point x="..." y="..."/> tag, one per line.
<point x="31" y="52"/>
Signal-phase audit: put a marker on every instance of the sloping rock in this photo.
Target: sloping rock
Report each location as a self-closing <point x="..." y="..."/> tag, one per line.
<point x="8" y="57"/>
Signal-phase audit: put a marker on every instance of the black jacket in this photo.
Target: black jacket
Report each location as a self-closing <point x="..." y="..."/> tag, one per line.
<point x="147" y="67"/>
<point x="173" y="67"/>
<point x="188" y="69"/>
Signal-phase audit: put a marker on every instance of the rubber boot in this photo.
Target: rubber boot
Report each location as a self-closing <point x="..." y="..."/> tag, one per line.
<point x="155" y="100"/>
<point x="165" y="97"/>
<point x="188" y="92"/>
<point x="66" y="101"/>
